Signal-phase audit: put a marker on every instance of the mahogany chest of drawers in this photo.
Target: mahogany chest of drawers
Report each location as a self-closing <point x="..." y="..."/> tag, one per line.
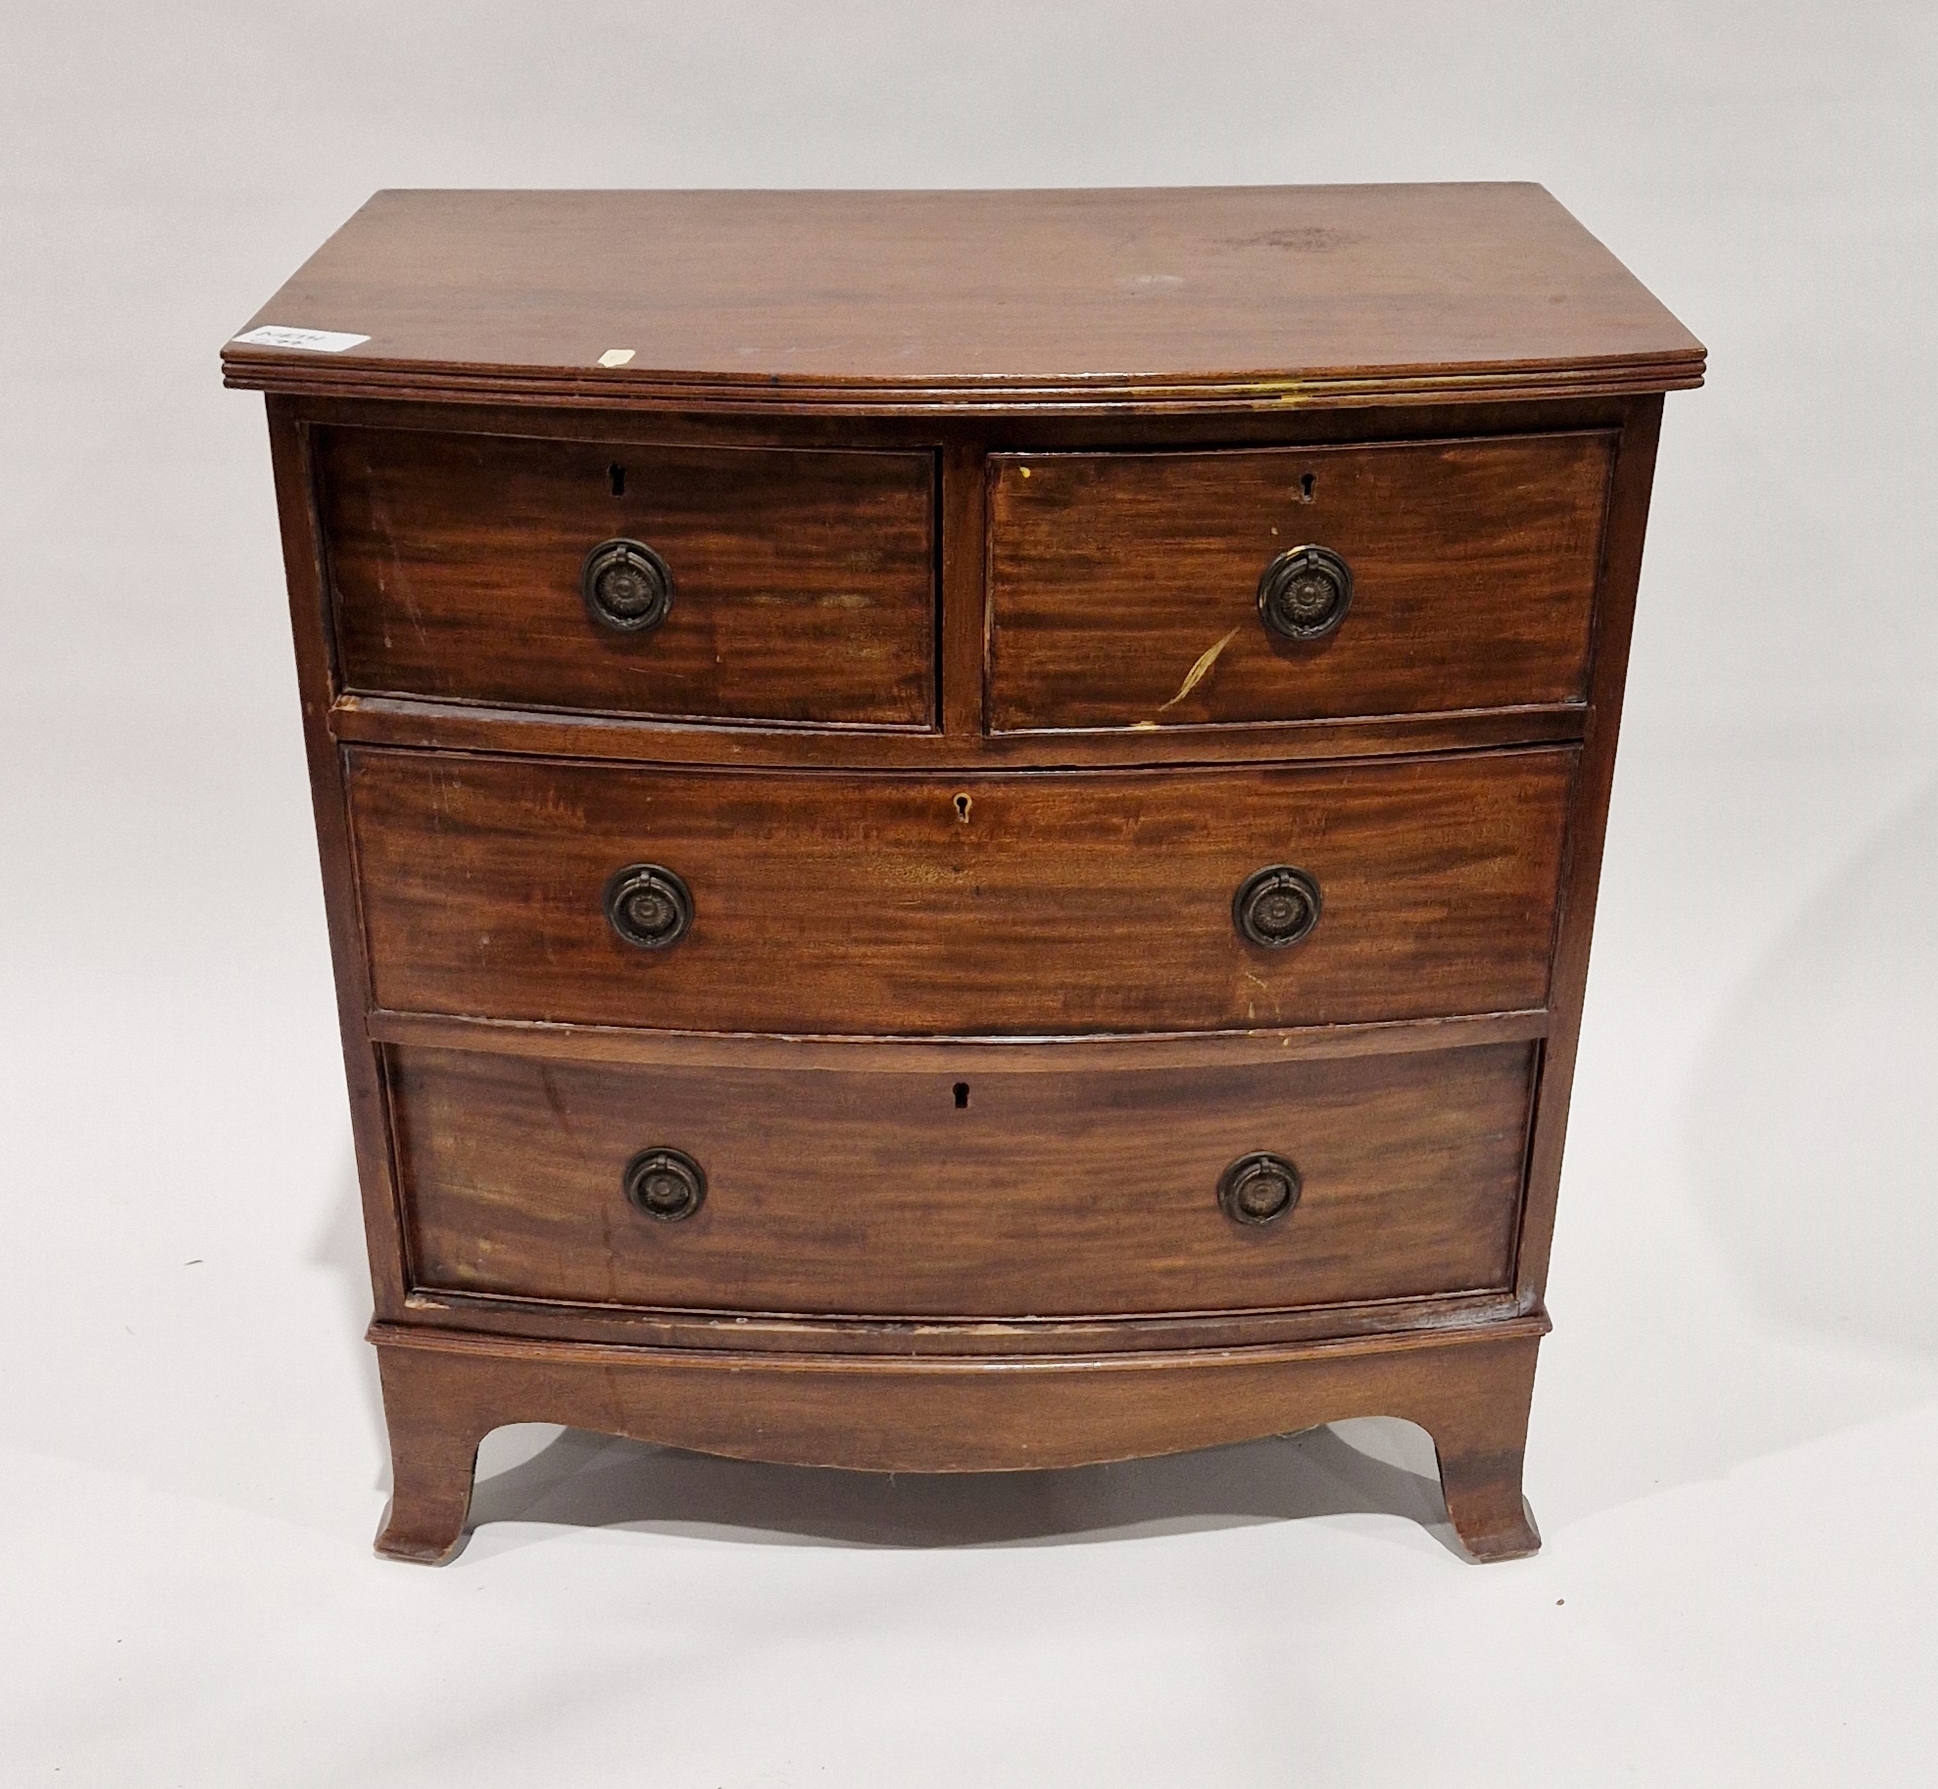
<point x="961" y="829"/>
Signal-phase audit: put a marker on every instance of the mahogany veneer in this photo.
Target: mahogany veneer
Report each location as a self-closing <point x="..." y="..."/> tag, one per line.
<point x="1474" y="567"/>
<point x="1012" y="904"/>
<point x="805" y="589"/>
<point x="960" y="829"/>
<point x="1047" y="1195"/>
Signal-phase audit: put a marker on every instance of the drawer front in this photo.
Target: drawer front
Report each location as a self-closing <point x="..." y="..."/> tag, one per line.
<point x="1022" y="904"/>
<point x="802" y="582"/>
<point x="1114" y="578"/>
<point x="1040" y="1195"/>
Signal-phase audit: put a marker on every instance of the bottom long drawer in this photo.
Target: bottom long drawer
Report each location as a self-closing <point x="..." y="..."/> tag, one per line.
<point x="992" y="1196"/>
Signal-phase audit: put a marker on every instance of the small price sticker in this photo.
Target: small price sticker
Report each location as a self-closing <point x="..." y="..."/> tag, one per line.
<point x="317" y="341"/>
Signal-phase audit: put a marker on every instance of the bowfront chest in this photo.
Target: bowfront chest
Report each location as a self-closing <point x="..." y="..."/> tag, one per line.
<point x="960" y="829"/>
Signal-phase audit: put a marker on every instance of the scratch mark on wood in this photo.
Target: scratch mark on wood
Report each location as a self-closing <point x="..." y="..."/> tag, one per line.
<point x="1202" y="669"/>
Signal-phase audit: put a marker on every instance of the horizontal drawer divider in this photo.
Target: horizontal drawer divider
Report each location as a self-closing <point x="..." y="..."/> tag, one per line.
<point x="408" y="721"/>
<point x="1334" y="1320"/>
<point x="986" y="1337"/>
<point x="938" y="1055"/>
<point x="1530" y="1326"/>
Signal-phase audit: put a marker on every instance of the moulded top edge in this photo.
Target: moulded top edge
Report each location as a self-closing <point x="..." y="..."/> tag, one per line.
<point x="892" y="302"/>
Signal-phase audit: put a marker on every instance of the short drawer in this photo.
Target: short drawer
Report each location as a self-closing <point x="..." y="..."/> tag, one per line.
<point x="1125" y="589"/>
<point x="1014" y="904"/>
<point x="801" y="582"/>
<point x="961" y="1195"/>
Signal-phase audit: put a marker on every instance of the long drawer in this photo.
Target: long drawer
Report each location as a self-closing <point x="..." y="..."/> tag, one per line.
<point x="1192" y="589"/>
<point x="928" y="1195"/>
<point x="798" y="585"/>
<point x="1013" y="904"/>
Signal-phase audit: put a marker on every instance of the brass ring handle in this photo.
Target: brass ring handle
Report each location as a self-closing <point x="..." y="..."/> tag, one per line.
<point x="1259" y="1189"/>
<point x="1276" y="906"/>
<point x="665" y="1183"/>
<point x="648" y="906"/>
<point x="1304" y="593"/>
<point x="626" y="586"/>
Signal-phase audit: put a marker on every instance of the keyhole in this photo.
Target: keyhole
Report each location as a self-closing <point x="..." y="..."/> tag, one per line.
<point x="616" y="477"/>
<point x="962" y="1095"/>
<point x="1305" y="488"/>
<point x="963" y="805"/>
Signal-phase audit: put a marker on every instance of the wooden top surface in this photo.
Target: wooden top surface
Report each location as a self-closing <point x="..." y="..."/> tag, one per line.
<point x="1120" y="299"/>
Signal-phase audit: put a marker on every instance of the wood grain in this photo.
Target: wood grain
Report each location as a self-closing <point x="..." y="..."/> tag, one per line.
<point x="992" y="1196"/>
<point x="1474" y="567"/>
<point x="803" y="581"/>
<point x="878" y="302"/>
<point x="1053" y="904"/>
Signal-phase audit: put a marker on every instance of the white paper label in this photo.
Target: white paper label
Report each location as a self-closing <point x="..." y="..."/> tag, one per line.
<point x="617" y="356"/>
<point x="318" y="341"/>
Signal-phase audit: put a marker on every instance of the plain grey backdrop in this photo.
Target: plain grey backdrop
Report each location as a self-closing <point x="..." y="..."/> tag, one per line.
<point x="1736" y="1427"/>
